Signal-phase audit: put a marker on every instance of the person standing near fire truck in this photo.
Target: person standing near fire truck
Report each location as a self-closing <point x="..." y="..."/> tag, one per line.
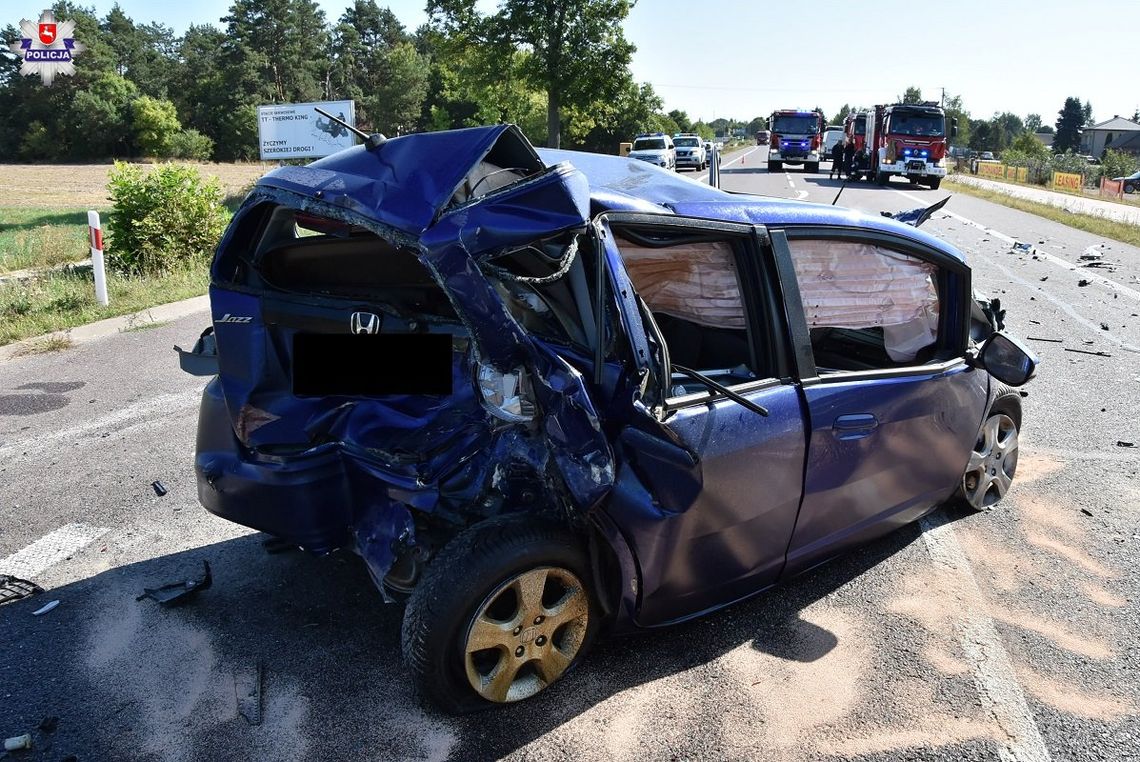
<point x="837" y="159"/>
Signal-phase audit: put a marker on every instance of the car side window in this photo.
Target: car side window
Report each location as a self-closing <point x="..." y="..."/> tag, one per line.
<point x="692" y="288"/>
<point x="867" y="306"/>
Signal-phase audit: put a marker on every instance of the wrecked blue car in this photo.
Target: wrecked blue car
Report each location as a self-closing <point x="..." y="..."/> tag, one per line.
<point x="546" y="396"/>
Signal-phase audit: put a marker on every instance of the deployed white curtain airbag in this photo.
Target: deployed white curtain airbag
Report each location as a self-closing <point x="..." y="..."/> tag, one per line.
<point x="695" y="281"/>
<point x="845" y="284"/>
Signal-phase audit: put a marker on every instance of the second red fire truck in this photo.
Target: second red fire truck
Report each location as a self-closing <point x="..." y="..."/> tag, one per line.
<point x="904" y="139"/>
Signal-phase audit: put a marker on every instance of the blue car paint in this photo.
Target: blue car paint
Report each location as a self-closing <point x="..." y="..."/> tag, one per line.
<point x="686" y="529"/>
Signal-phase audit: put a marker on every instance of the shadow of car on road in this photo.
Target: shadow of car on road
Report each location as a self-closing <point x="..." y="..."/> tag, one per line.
<point x="131" y="679"/>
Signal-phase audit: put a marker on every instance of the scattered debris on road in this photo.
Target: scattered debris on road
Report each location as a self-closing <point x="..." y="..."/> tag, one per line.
<point x="1104" y="326"/>
<point x="14" y="589"/>
<point x="15" y="743"/>
<point x="45" y="608"/>
<point x="1087" y="352"/>
<point x="1039" y="338"/>
<point x="159" y="488"/>
<point x="247" y="693"/>
<point x="177" y="593"/>
<point x="1082" y="283"/>
<point x="1086" y="511"/>
<point x="1122" y="443"/>
<point x="1019" y="246"/>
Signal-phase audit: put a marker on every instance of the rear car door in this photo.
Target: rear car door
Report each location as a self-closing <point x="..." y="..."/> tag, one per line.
<point x="893" y="407"/>
<point x="708" y="488"/>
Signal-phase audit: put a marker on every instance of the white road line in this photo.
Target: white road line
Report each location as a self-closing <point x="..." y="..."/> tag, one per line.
<point x="704" y="178"/>
<point x="1059" y="261"/>
<point x="801" y="195"/>
<point x="50" y="549"/>
<point x="1000" y="692"/>
<point x="149" y="410"/>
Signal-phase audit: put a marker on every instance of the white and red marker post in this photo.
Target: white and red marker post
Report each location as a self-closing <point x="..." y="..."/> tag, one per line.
<point x="96" y="230"/>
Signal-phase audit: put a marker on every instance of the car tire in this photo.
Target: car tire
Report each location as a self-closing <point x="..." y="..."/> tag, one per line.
<point x="882" y="178"/>
<point x="491" y="572"/>
<point x="811" y="166"/>
<point x="993" y="459"/>
<point x="934" y="183"/>
<point x="775" y="166"/>
<point x="1129" y="188"/>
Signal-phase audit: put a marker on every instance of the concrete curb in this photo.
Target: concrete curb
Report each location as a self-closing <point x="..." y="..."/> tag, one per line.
<point x="93" y="331"/>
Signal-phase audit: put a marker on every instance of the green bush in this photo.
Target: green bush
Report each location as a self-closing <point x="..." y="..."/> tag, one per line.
<point x="166" y="218"/>
<point x="191" y="144"/>
<point x="1117" y="164"/>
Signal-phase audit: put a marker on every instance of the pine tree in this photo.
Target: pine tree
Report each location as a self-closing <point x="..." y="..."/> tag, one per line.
<point x="1070" y="119"/>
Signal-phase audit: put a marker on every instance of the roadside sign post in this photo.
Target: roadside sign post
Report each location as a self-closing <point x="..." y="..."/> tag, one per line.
<point x="297" y="131"/>
<point x="96" y="232"/>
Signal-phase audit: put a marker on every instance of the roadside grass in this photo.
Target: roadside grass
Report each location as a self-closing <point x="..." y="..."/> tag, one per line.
<point x="65" y="299"/>
<point x="42" y="237"/>
<point x="1117" y="231"/>
<point x="54" y="343"/>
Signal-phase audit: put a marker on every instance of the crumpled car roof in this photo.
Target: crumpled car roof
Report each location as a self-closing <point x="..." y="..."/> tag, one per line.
<point x="408" y="183"/>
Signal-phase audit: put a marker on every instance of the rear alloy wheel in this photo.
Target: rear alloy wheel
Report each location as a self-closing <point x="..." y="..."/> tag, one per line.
<point x="992" y="463"/>
<point x="934" y="182"/>
<point x="775" y="166"/>
<point x="503" y="611"/>
<point x="812" y="166"/>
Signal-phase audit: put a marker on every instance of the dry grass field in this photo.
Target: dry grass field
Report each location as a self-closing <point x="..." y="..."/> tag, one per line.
<point x="48" y="186"/>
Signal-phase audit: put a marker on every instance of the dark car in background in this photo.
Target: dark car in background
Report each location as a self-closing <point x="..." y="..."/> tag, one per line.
<point x="1131" y="182"/>
<point x="548" y="396"/>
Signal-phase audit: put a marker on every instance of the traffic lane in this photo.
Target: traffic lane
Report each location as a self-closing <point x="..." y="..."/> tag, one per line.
<point x="809" y="670"/>
<point x="67" y="428"/>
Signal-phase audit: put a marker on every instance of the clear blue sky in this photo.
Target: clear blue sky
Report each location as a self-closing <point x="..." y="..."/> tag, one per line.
<point x="730" y="58"/>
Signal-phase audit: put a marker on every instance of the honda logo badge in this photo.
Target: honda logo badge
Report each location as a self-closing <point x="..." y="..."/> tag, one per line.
<point x="364" y="322"/>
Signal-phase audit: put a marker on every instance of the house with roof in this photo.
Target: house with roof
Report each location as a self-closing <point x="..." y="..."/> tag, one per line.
<point x="1115" y="133"/>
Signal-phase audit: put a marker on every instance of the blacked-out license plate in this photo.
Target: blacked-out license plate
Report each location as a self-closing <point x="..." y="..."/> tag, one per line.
<point x="371" y="365"/>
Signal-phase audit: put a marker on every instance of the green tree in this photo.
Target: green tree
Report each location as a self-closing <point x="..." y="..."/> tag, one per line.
<point x="912" y="95"/>
<point x="1087" y="115"/>
<point x="758" y="123"/>
<point x="576" y="46"/>
<point x="106" y="127"/>
<point x="956" y="113"/>
<point x="154" y="123"/>
<point x="1070" y="119"/>
<point x="841" y="116"/>
<point x="1033" y="122"/>
<point x="279" y="50"/>
<point x="681" y="119"/>
<point x="1028" y="144"/>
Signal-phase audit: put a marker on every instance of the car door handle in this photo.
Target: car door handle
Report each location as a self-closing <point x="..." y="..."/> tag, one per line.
<point x="854" y="426"/>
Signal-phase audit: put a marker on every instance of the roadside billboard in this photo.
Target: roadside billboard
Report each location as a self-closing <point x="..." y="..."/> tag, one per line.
<point x="296" y="131"/>
<point x="1067" y="181"/>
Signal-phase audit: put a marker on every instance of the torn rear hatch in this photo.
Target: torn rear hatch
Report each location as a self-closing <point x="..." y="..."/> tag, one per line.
<point x="402" y="240"/>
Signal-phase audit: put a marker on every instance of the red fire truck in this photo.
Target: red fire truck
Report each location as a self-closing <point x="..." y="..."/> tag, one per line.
<point x="797" y="137"/>
<point x="902" y="139"/>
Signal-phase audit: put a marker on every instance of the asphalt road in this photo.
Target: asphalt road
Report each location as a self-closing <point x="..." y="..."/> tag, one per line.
<point x="1009" y="634"/>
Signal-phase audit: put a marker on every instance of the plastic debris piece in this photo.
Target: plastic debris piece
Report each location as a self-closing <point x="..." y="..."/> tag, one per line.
<point x="1087" y="352"/>
<point x="1086" y="511"/>
<point x="48" y="724"/>
<point x="159" y="488"/>
<point x="14" y="588"/>
<point x="1104" y="326"/>
<point x="1122" y="443"/>
<point x="1022" y="246"/>
<point x="247" y="692"/>
<point x="177" y="593"/>
<point x="45" y="608"/>
<point x="15" y="743"/>
<point x="1039" y="338"/>
<point x="1082" y="283"/>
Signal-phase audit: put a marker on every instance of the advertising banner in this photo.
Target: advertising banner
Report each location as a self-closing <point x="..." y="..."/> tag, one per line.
<point x="296" y="131"/>
<point x="991" y="169"/>
<point x="1067" y="181"/>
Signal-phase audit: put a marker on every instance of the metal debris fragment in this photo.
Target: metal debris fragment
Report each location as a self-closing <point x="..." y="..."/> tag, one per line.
<point x="1087" y="352"/>
<point x="1040" y="338"/>
<point x="177" y="593"/>
<point x="159" y="488"/>
<point x="1122" y="443"/>
<point x="15" y="743"/>
<point x="1082" y="283"/>
<point x="45" y="608"/>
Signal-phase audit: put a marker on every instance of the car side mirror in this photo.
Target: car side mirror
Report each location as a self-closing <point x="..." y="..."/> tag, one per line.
<point x="1007" y="359"/>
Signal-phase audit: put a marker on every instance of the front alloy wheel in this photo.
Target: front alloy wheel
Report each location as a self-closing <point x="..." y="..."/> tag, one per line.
<point x="526" y="633"/>
<point x="992" y="463"/>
